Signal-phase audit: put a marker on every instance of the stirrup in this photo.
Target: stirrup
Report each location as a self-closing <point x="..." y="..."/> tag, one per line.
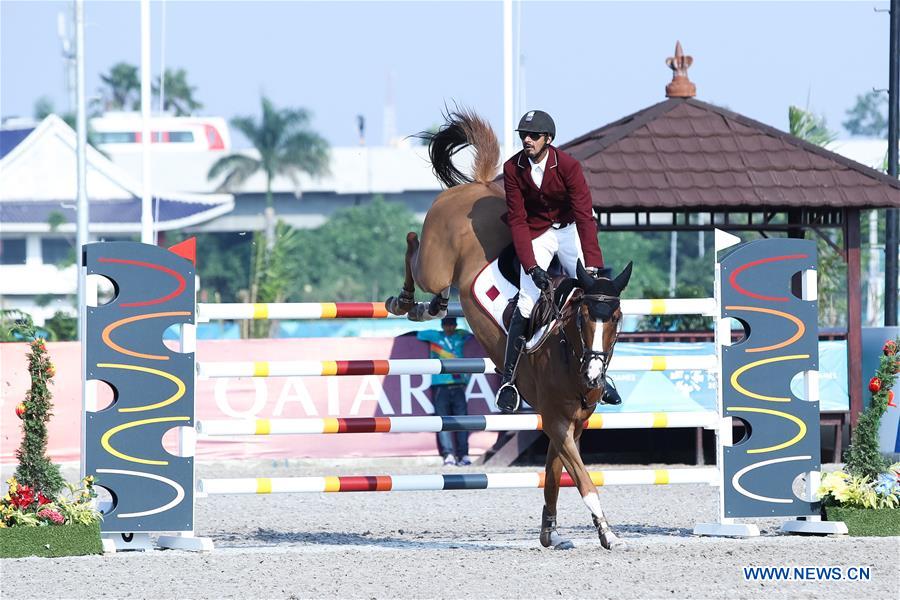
<point x="610" y="393"/>
<point x="508" y="403"/>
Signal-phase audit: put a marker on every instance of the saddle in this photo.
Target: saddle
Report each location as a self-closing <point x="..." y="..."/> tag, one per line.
<point x="545" y="317"/>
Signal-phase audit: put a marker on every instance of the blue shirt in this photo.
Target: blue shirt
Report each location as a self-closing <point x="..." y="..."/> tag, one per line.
<point x="441" y="345"/>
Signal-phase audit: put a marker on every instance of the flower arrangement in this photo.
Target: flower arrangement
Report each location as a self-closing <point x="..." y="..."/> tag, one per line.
<point x="855" y="491"/>
<point x="868" y="484"/>
<point x="22" y="506"/>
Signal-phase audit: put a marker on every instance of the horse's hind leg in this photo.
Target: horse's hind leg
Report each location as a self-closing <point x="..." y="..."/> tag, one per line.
<point x="549" y="535"/>
<point x="572" y="459"/>
<point x="406" y="301"/>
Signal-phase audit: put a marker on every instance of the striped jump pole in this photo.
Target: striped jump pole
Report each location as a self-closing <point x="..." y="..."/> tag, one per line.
<point x="375" y="310"/>
<point x="302" y="310"/>
<point x="462" y="481"/>
<point x="427" y="366"/>
<point x="433" y="424"/>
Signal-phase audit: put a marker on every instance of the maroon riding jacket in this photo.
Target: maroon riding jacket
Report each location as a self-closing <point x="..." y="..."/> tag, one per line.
<point x="562" y="198"/>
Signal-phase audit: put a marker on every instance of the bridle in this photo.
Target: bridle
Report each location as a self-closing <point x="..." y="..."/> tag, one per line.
<point x="584" y="353"/>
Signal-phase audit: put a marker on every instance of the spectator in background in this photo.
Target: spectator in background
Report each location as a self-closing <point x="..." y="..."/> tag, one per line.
<point x="448" y="391"/>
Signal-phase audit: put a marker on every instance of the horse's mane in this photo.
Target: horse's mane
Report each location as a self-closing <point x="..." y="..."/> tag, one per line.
<point x="462" y="128"/>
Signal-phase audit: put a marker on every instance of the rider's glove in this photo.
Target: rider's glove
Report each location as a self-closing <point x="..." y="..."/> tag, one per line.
<point x="540" y="278"/>
<point x="599" y="272"/>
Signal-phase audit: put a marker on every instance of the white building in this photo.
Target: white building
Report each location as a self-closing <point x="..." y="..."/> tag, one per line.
<point x="38" y="189"/>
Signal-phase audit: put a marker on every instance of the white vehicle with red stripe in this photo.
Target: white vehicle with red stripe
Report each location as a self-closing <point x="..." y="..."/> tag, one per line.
<point x="121" y="132"/>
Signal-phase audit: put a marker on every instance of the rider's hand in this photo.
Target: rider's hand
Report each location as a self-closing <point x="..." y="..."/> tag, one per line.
<point x="599" y="272"/>
<point x="540" y="278"/>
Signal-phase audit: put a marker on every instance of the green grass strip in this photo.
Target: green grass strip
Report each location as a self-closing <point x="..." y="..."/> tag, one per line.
<point x="867" y="522"/>
<point x="50" y="541"/>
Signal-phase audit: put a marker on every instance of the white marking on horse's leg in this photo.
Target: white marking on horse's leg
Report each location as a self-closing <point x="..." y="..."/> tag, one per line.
<point x="592" y="500"/>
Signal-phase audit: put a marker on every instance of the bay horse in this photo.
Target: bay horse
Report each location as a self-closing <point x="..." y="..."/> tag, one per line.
<point x="564" y="378"/>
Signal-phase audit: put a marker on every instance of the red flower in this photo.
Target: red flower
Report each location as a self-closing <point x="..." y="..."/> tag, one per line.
<point x="42" y="499"/>
<point x="23" y="497"/>
<point x="52" y="516"/>
<point x="891" y="398"/>
<point x="890" y="348"/>
<point x="874" y="385"/>
<point x="20" y="410"/>
<point x="51" y="370"/>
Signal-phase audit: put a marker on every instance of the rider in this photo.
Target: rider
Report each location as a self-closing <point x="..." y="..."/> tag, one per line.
<point x="549" y="213"/>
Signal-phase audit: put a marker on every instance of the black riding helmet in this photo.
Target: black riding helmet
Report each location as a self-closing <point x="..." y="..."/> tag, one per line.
<point x="537" y="121"/>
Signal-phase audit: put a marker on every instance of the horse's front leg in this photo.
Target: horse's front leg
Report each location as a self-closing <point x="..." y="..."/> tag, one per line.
<point x="571" y="457"/>
<point x="549" y="535"/>
<point x="406" y="301"/>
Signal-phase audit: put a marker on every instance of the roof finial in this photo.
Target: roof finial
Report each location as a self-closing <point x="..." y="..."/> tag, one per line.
<point x="680" y="86"/>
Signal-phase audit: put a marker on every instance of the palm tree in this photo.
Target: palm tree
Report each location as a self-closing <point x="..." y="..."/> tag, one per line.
<point x="122" y="84"/>
<point x="810" y="127"/>
<point x="286" y="146"/>
<point x="179" y="93"/>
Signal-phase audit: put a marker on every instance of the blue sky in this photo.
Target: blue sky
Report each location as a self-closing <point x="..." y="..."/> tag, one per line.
<point x="587" y="63"/>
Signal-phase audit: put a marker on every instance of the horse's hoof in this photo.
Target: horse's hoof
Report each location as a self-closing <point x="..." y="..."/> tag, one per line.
<point x="610" y="541"/>
<point x="564" y="545"/>
<point x="395" y="306"/>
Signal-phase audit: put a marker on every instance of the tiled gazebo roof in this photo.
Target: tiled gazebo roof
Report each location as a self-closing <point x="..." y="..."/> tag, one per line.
<point x="686" y="154"/>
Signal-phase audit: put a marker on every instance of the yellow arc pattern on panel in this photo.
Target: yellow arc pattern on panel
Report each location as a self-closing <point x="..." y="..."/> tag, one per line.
<point x="660" y="420"/>
<point x="104" y="441"/>
<point x="107" y="332"/>
<point x="796" y="420"/>
<point x="661" y="477"/>
<point x="659" y="363"/>
<point x="597" y="478"/>
<point x="260" y="311"/>
<point x="332" y="484"/>
<point x="263" y="485"/>
<point x="753" y="365"/>
<point x="263" y="427"/>
<point x="801" y="328"/>
<point x="173" y="398"/>
<point x="329" y="310"/>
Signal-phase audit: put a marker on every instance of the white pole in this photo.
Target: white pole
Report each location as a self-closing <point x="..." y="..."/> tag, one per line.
<point x="82" y="202"/>
<point x="147" y="236"/>
<point x="507" y="79"/>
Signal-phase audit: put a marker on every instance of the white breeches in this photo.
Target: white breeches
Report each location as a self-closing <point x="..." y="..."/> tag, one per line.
<point x="562" y="242"/>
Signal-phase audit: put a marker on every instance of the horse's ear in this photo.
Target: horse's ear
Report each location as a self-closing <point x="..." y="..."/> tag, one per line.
<point x="621" y="281"/>
<point x="584" y="278"/>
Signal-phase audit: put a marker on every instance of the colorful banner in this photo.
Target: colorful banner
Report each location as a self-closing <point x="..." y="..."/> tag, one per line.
<point x="300" y="397"/>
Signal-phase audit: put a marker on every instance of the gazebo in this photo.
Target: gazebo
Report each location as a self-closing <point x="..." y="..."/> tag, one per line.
<point x="656" y="168"/>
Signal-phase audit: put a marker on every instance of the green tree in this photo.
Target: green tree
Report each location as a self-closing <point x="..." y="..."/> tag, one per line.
<point x="359" y="253"/>
<point x="867" y="116"/>
<point x="35" y="469"/>
<point x="831" y="271"/>
<point x="809" y="126"/>
<point x="179" y="94"/>
<point x="286" y="146"/>
<point x="122" y="87"/>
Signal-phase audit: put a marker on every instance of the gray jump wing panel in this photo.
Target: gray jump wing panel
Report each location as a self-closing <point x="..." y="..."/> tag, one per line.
<point x="781" y="341"/>
<point x="153" y="386"/>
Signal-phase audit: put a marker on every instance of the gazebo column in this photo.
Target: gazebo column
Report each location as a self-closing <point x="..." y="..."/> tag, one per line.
<point x="854" y="312"/>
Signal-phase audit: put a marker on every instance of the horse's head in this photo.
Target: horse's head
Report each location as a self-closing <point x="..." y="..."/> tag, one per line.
<point x="601" y="294"/>
<point x="600" y="304"/>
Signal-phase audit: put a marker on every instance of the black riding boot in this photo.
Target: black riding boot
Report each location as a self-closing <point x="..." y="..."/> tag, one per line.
<point x="508" y="399"/>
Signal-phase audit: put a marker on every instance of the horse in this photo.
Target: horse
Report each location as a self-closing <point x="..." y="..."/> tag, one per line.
<point x="563" y="379"/>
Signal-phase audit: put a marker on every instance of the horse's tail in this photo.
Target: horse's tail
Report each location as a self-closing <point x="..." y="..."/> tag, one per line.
<point x="462" y="128"/>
